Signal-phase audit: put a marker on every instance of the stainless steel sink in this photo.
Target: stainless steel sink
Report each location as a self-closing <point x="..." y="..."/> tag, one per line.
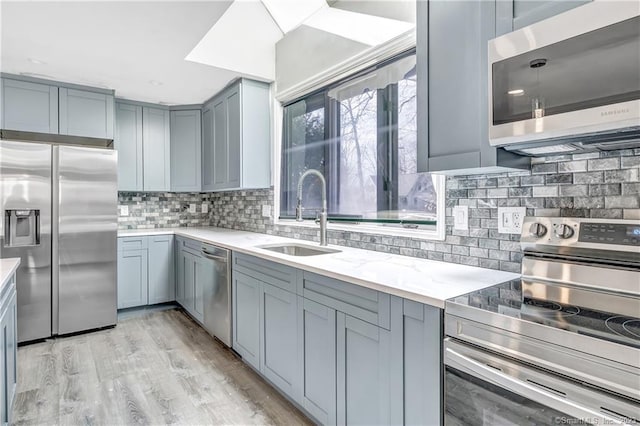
<point x="298" y="249"/>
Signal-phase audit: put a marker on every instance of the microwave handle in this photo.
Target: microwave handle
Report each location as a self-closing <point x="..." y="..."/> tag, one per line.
<point x="546" y="397"/>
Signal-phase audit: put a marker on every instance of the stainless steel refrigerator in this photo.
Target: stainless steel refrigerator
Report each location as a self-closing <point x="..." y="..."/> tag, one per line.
<point x="59" y="207"/>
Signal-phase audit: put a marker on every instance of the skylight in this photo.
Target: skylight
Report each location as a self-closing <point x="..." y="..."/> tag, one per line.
<point x="289" y="14"/>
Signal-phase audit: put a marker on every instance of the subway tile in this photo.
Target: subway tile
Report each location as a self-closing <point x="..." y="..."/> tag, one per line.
<point x="545" y="191"/>
<point x="604" y="189"/>
<point x="559" y="202"/>
<point x="632" y="214"/>
<point x="544" y="168"/>
<point x="622" y="202"/>
<point x="520" y="192"/>
<point x="589" y="177"/>
<point x="574" y="190"/>
<point x="561" y="179"/>
<point x="588" y="202"/>
<point x="573" y="166"/>
<point x="625" y="175"/>
<point x="497" y="193"/>
<point x="628" y="162"/>
<point x="603" y="164"/>
<point x="630" y="188"/>
<point x="534" y="180"/>
<point x="605" y="213"/>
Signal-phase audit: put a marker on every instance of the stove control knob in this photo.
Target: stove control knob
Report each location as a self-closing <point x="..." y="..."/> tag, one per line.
<point x="537" y="230"/>
<point x="564" y="231"/>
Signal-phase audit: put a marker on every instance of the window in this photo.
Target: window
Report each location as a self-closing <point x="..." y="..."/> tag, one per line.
<point x="361" y="134"/>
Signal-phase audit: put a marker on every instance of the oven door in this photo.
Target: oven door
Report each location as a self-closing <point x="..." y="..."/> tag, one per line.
<point x="482" y="388"/>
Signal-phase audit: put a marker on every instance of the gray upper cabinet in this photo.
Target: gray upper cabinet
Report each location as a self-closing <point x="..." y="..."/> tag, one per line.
<point x="186" y="144"/>
<point x="85" y="114"/>
<point x="128" y="143"/>
<point x="236" y="138"/>
<point x="29" y="107"/>
<point x="156" y="149"/>
<point x="515" y="14"/>
<point x="453" y="88"/>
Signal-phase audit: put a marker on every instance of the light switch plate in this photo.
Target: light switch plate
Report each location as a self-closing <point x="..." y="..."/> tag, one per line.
<point x="461" y="218"/>
<point x="510" y="219"/>
<point x="266" y="210"/>
<point x="205" y="208"/>
<point x="124" y="210"/>
<point x="192" y="208"/>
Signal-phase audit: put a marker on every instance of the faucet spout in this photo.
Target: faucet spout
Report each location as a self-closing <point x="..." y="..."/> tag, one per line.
<point x="322" y="217"/>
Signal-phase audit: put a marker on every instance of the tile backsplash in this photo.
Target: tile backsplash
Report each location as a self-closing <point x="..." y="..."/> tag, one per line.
<point x="598" y="185"/>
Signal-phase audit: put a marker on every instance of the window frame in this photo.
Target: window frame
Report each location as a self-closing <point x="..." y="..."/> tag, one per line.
<point x="431" y="231"/>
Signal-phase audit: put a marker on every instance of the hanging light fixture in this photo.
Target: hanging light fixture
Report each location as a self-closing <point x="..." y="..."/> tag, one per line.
<point x="537" y="102"/>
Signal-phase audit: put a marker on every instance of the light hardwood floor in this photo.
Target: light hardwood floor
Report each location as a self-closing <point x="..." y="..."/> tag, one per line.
<point x="158" y="368"/>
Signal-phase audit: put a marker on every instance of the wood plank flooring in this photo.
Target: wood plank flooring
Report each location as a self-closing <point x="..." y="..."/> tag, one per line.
<point x="158" y="368"/>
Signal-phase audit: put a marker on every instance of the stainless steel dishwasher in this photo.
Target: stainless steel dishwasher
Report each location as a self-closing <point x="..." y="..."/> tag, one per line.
<point x="217" y="294"/>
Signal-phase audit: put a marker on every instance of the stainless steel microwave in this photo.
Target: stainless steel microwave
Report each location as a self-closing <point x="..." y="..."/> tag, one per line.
<point x="569" y="83"/>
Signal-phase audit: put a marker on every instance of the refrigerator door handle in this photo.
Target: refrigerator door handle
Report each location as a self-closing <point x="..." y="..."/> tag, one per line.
<point x="55" y="266"/>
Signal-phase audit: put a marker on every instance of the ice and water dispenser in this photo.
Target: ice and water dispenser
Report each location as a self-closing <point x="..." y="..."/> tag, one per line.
<point x="21" y="228"/>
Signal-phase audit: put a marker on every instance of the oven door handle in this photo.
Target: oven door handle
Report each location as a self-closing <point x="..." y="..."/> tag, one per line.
<point x="539" y="393"/>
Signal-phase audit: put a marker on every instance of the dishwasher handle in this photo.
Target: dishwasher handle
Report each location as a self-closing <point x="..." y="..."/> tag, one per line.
<point x="214" y="256"/>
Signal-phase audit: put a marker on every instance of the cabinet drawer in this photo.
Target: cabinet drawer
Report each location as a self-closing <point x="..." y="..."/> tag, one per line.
<point x="364" y="303"/>
<point x="187" y="243"/>
<point x="132" y="243"/>
<point x="272" y="273"/>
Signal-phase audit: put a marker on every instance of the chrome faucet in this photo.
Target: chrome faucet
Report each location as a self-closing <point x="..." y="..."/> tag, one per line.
<point x="322" y="217"/>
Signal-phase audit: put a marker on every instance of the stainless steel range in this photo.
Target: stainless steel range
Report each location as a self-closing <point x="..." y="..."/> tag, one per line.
<point x="561" y="345"/>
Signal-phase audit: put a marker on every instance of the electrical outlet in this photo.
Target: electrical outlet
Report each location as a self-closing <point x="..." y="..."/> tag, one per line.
<point x="124" y="210"/>
<point x="205" y="208"/>
<point x="461" y="218"/>
<point x="266" y="210"/>
<point x="192" y="208"/>
<point x="510" y="219"/>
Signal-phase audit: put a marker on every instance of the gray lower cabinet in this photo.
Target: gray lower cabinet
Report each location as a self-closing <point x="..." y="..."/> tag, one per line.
<point x="422" y="361"/>
<point x="363" y="354"/>
<point x="279" y="345"/>
<point x="86" y="114"/>
<point x="317" y="334"/>
<point x="156" y="153"/>
<point x="132" y="278"/>
<point x="29" y="107"/>
<point x="162" y="287"/>
<point x="236" y="138"/>
<point x="9" y="348"/>
<point x="363" y="357"/>
<point x="145" y="270"/>
<point x="186" y="143"/>
<point x="128" y="143"/>
<point x="193" y="272"/>
<point x="246" y="318"/>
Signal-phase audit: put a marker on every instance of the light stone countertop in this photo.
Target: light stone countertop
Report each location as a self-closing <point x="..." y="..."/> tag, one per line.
<point x="426" y="281"/>
<point x="7" y="268"/>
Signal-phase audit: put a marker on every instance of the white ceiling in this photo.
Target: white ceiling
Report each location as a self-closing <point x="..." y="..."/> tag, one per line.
<point x="119" y="45"/>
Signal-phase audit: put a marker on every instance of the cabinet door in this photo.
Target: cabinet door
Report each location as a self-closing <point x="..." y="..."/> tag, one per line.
<point x="279" y="332"/>
<point x="180" y="271"/>
<point x="203" y="277"/>
<point x="520" y="13"/>
<point x="234" y="138"/>
<point x="457" y="84"/>
<point x="363" y="366"/>
<point x="317" y="324"/>
<point x="220" y="141"/>
<point x="156" y="149"/>
<point x="132" y="278"/>
<point x="422" y="363"/>
<point x="8" y="358"/>
<point x="86" y="114"/>
<point x="207" y="147"/>
<point x="161" y="273"/>
<point x="29" y="107"/>
<point x="246" y="318"/>
<point x="128" y="143"/>
<point x="189" y="281"/>
<point x="186" y="151"/>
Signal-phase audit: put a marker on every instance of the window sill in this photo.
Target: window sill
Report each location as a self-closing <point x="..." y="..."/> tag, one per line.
<point x="438" y="233"/>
